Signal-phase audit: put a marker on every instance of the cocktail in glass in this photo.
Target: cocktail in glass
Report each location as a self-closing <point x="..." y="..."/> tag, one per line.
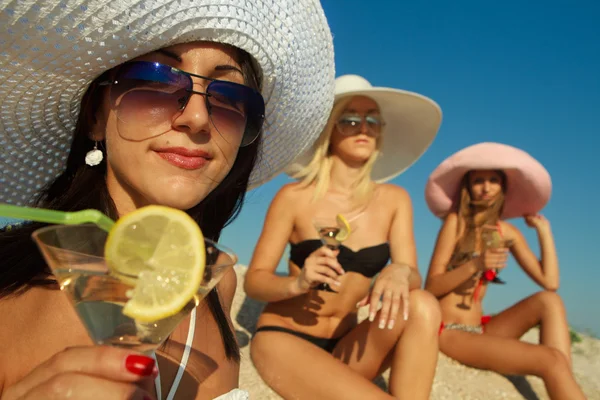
<point x="75" y="255"/>
<point x="493" y="239"/>
<point x="328" y="230"/>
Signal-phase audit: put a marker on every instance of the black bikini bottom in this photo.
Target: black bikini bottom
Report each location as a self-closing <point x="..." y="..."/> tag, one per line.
<point x="326" y="344"/>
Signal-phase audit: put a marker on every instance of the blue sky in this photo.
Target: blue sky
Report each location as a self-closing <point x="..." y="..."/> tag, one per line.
<point x="522" y="73"/>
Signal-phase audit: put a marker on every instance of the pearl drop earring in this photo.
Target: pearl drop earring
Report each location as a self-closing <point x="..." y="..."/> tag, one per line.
<point x="94" y="156"/>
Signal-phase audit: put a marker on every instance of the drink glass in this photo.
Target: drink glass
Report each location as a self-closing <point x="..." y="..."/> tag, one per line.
<point x="75" y="255"/>
<point x="327" y="228"/>
<point x="492" y="239"/>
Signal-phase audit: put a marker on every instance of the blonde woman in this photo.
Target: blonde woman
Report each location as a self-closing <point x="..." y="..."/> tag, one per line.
<point x="309" y="329"/>
<point x="474" y="191"/>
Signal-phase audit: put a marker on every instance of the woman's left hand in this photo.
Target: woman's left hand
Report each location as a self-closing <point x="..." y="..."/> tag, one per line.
<point x="392" y="287"/>
<point x="537" y="221"/>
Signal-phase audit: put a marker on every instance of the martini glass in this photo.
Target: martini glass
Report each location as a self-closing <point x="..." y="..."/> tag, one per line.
<point x="492" y="239"/>
<point x="74" y="253"/>
<point x="328" y="229"/>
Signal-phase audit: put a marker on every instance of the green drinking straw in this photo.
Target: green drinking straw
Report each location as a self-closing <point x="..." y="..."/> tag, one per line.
<point x="57" y="217"/>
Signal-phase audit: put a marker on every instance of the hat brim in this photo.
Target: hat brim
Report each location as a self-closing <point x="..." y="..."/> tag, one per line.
<point x="412" y="123"/>
<point x="528" y="183"/>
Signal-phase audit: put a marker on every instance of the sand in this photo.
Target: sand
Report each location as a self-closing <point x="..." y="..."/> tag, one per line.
<point x="452" y="380"/>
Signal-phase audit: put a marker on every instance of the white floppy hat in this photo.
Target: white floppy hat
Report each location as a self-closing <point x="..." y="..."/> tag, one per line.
<point x="412" y="122"/>
<point x="50" y="51"/>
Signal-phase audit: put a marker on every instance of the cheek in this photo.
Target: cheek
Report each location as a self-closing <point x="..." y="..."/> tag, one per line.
<point x="125" y="158"/>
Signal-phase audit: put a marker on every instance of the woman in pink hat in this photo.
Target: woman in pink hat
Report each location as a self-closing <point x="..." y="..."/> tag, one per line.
<point x="474" y="191"/>
<point x="309" y="329"/>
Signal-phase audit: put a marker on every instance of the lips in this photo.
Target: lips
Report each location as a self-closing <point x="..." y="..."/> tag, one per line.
<point x="184" y="158"/>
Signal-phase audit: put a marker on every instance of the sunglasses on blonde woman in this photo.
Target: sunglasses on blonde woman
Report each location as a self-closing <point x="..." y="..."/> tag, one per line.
<point x="351" y="124"/>
<point x="149" y="96"/>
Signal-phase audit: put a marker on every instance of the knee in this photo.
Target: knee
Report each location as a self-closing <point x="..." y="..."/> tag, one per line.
<point x="549" y="301"/>
<point x="425" y="308"/>
<point x="554" y="363"/>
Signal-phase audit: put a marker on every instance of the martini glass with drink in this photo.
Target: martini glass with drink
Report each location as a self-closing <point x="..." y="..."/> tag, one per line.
<point x="332" y="230"/>
<point x="492" y="239"/>
<point x="132" y="283"/>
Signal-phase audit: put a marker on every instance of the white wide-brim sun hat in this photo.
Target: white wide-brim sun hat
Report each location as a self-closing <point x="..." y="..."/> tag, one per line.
<point x="412" y="123"/>
<point x="50" y="51"/>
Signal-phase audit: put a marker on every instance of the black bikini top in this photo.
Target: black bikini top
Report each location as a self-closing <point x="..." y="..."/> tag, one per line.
<point x="367" y="261"/>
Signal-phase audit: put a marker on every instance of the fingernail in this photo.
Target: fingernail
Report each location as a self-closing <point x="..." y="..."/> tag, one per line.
<point x="146" y="397"/>
<point x="358" y="305"/>
<point x="140" y="365"/>
<point x="371" y="317"/>
<point x="381" y="324"/>
<point x="391" y="324"/>
<point x="405" y="316"/>
<point x="337" y="283"/>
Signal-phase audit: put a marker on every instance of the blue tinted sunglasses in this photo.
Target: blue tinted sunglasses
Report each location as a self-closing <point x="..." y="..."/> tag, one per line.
<point x="149" y="96"/>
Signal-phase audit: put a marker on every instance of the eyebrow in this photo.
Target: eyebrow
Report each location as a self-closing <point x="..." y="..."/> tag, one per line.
<point x="227" y="67"/>
<point x="170" y="54"/>
<point x="373" y="110"/>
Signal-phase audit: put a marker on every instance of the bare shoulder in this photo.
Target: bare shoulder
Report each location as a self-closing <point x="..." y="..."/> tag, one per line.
<point x="509" y="231"/>
<point x="393" y="192"/>
<point x="451" y="219"/>
<point x="291" y="193"/>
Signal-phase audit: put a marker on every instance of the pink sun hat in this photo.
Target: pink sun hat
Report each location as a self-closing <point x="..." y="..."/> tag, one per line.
<point x="528" y="183"/>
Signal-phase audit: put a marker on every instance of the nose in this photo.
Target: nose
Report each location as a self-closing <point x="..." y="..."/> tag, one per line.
<point x="195" y="117"/>
<point x="364" y="126"/>
<point x="486" y="186"/>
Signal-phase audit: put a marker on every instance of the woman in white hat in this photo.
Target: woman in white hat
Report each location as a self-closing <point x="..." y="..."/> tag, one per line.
<point x="474" y="191"/>
<point x="309" y="329"/>
<point x="114" y="105"/>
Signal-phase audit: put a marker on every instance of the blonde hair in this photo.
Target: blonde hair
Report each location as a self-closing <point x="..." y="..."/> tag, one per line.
<point x="466" y="231"/>
<point x="318" y="170"/>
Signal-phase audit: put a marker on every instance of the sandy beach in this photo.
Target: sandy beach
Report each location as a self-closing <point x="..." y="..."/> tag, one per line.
<point x="452" y="380"/>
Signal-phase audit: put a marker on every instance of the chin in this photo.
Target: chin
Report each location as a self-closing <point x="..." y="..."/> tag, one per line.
<point x="182" y="197"/>
<point x="180" y="202"/>
<point x="362" y="155"/>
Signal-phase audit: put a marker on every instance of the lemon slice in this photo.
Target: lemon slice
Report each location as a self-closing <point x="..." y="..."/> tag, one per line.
<point x="160" y="251"/>
<point x="344" y="226"/>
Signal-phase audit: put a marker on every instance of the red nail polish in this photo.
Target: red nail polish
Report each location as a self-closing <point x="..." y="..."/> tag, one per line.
<point x="146" y="397"/>
<point x="139" y="365"/>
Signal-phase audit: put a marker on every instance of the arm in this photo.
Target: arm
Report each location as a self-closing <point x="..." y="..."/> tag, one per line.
<point x="544" y="271"/>
<point x="402" y="239"/>
<point x="440" y="281"/>
<point x="261" y="283"/>
<point x="393" y="284"/>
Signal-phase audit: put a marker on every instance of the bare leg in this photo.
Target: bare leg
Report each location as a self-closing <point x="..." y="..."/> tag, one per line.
<point x="410" y="348"/>
<point x="297" y="369"/>
<point x="544" y="308"/>
<point x="513" y="357"/>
